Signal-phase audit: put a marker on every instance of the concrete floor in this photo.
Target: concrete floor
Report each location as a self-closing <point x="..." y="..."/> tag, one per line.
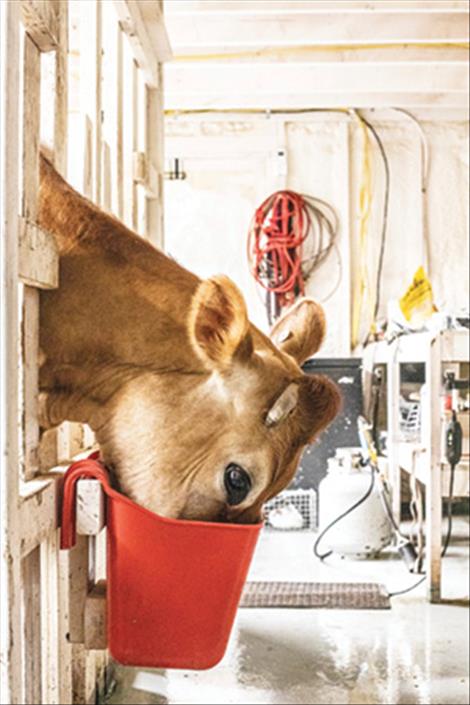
<point x="414" y="653"/>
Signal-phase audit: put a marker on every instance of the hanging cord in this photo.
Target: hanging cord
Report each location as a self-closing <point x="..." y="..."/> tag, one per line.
<point x="383" y="237"/>
<point x="284" y="226"/>
<point x="449" y="509"/>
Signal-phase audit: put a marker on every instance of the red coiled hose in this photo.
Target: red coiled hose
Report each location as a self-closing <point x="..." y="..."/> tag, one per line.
<point x="277" y="233"/>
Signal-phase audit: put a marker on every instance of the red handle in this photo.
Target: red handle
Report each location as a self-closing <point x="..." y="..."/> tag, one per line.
<point x="90" y="467"/>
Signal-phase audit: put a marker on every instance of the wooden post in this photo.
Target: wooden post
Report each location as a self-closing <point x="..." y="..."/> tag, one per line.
<point x="431" y="427"/>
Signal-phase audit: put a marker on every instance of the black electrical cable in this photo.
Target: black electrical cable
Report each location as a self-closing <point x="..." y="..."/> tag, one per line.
<point x="409" y="589"/>
<point x="342" y="516"/>
<point x="385" y="214"/>
<point x="449" y="510"/>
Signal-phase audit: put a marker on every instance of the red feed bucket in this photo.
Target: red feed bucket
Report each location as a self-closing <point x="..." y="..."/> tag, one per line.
<point x="173" y="586"/>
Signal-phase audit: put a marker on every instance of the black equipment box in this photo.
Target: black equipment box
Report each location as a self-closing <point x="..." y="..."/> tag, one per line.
<point x="342" y="433"/>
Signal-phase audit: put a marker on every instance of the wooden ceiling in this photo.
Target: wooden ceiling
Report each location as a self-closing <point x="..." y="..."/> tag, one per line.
<point x="264" y="54"/>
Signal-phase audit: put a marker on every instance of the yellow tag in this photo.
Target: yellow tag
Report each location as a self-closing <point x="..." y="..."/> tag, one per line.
<point x="417" y="303"/>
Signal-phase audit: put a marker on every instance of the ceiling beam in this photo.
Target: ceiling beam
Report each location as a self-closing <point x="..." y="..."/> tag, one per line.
<point x="195" y="30"/>
<point x="287" y="85"/>
<point x="181" y="6"/>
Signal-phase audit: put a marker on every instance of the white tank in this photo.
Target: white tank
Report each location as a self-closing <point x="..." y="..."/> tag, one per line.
<point x="366" y="530"/>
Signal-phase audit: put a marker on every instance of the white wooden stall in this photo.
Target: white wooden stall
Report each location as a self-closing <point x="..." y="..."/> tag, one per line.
<point x="96" y="68"/>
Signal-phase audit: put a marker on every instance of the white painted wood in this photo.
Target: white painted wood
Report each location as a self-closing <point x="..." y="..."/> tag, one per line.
<point x="376" y="6"/>
<point x="37" y="512"/>
<point x="38" y="256"/>
<point x="154" y="135"/>
<point x="49" y="612"/>
<point x="11" y="654"/>
<point x="43" y="658"/>
<point x="90" y="507"/>
<point x="135" y="144"/>
<point x="119" y="124"/>
<point x="393" y="436"/>
<point x="40" y="20"/>
<point x="31" y="619"/>
<point x="144" y="26"/>
<point x="95" y="617"/>
<point x="307" y="85"/>
<point x="61" y="90"/>
<point x="231" y="30"/>
<point x="78" y="588"/>
<point x="431" y="425"/>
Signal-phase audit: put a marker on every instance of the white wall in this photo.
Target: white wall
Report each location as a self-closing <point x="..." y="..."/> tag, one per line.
<point x="231" y="167"/>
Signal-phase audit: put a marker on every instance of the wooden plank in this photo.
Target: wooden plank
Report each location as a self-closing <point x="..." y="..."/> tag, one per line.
<point x="431" y="422"/>
<point x="31" y="612"/>
<point x="135" y="142"/>
<point x="64" y="645"/>
<point x="30" y="352"/>
<point x="95" y="617"/>
<point x="31" y="121"/>
<point x="11" y="656"/>
<point x="40" y="20"/>
<point x="38" y="256"/>
<point x="263" y="86"/>
<point x="119" y="124"/>
<point x="98" y="146"/>
<point x="231" y="6"/>
<point x="50" y="619"/>
<point x="393" y="430"/>
<point x="37" y="511"/>
<point x="107" y="178"/>
<point x="61" y="90"/>
<point x="79" y="585"/>
<point x="148" y="38"/>
<point x="154" y="135"/>
<point x="90" y="507"/>
<point x="210" y="31"/>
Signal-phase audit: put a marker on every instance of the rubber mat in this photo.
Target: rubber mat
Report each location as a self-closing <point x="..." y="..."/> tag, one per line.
<point x="354" y="596"/>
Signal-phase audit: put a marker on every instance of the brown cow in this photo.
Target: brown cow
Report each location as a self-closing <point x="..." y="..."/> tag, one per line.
<point x="198" y="414"/>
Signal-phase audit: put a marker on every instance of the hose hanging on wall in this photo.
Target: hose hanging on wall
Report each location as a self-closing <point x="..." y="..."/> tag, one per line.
<point x="290" y="236"/>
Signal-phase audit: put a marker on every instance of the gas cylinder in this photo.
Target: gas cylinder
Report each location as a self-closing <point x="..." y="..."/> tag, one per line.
<point x="366" y="530"/>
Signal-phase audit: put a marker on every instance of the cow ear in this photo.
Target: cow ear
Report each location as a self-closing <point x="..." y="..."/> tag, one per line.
<point x="319" y="402"/>
<point x="218" y="322"/>
<point x="300" y="331"/>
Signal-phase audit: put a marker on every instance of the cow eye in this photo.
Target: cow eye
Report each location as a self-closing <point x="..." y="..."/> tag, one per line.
<point x="237" y="483"/>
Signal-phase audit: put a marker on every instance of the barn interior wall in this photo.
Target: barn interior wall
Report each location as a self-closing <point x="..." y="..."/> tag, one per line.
<point x="231" y="166"/>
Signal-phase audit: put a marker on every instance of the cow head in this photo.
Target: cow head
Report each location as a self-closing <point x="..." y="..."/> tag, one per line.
<point x="218" y="440"/>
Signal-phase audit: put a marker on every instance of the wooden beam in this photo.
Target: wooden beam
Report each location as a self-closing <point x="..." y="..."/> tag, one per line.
<point x="31" y="609"/>
<point x="37" y="511"/>
<point x="392" y="52"/>
<point x="277" y="86"/>
<point x="41" y="21"/>
<point x="90" y="507"/>
<point x="145" y="29"/>
<point x="229" y="6"/>
<point x="38" y="256"/>
<point x="11" y="655"/>
<point x="275" y="28"/>
<point x="95" y="618"/>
